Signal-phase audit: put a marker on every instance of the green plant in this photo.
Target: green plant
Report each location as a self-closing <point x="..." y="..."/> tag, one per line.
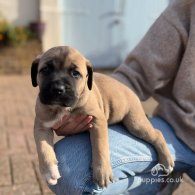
<point x="11" y="35"/>
<point x="4" y="28"/>
<point x="18" y="35"/>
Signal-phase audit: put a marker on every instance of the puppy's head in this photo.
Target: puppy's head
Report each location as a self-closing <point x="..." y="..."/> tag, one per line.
<point x="62" y="75"/>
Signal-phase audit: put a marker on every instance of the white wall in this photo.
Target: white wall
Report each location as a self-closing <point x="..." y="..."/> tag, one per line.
<point x="50" y="13"/>
<point x="105" y="31"/>
<point x="138" y="17"/>
<point x="20" y="12"/>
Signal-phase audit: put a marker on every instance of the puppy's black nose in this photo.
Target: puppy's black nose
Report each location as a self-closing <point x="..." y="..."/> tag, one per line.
<point x="58" y="90"/>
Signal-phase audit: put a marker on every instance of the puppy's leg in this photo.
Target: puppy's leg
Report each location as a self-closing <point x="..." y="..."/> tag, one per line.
<point x="102" y="170"/>
<point x="138" y="124"/>
<point x="47" y="158"/>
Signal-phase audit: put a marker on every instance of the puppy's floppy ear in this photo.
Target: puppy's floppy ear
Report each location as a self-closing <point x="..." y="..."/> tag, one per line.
<point x="89" y="75"/>
<point x="34" y="71"/>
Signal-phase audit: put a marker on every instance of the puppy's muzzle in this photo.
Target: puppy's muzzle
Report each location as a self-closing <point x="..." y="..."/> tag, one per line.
<point x="57" y="93"/>
<point x="59" y="89"/>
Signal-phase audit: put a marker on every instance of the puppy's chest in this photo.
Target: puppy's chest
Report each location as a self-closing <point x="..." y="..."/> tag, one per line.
<point x="59" y="115"/>
<point x="56" y="117"/>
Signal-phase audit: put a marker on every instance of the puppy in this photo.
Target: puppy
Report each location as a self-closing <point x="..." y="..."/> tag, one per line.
<point x="67" y="85"/>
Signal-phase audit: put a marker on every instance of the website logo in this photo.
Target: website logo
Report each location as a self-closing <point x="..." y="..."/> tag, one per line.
<point x="159" y="170"/>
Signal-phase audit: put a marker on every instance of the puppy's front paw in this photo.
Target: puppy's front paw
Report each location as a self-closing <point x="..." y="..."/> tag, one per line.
<point x="52" y="175"/>
<point x="102" y="175"/>
<point x="168" y="162"/>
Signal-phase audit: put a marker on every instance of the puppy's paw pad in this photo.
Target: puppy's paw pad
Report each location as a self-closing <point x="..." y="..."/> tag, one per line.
<point x="52" y="175"/>
<point x="102" y="178"/>
<point x="50" y="180"/>
<point x="54" y="171"/>
<point x="168" y="164"/>
<point x="170" y="169"/>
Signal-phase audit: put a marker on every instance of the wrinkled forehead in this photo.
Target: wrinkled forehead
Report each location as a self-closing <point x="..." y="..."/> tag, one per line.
<point x="65" y="56"/>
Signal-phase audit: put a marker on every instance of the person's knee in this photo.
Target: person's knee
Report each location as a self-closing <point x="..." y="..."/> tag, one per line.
<point x="68" y="185"/>
<point x="74" y="159"/>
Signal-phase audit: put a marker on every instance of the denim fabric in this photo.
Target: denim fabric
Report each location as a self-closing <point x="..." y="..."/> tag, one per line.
<point x="132" y="160"/>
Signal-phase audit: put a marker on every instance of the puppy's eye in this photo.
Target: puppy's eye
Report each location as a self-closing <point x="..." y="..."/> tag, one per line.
<point x="45" y="70"/>
<point x="75" y="74"/>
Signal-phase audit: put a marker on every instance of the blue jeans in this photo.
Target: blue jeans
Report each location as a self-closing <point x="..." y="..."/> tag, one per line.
<point x="132" y="162"/>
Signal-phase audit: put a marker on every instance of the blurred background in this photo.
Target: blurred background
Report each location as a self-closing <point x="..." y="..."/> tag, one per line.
<point x="104" y="31"/>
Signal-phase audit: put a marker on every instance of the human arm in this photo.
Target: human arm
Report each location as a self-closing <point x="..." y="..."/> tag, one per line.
<point x="154" y="62"/>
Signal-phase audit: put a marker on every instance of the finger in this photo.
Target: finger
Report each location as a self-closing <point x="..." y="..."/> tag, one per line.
<point x="87" y="127"/>
<point x="84" y="123"/>
<point x="72" y="124"/>
<point x="73" y="128"/>
<point x="61" y="122"/>
<point x="69" y="126"/>
<point x="61" y="132"/>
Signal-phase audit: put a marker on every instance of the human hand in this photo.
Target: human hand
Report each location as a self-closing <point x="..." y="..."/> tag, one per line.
<point x="73" y="124"/>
